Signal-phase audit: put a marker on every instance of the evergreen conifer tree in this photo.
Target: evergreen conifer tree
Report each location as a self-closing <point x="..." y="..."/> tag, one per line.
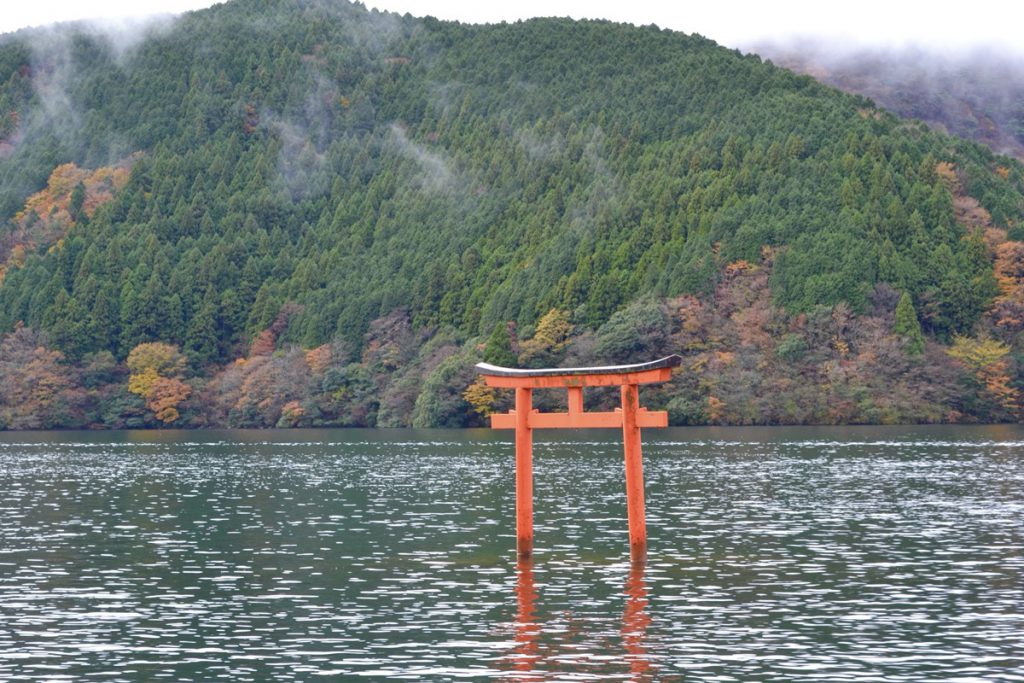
<point x="908" y="326"/>
<point x="498" y="350"/>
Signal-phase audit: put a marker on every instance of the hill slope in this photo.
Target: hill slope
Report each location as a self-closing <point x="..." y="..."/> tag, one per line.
<point x="338" y="179"/>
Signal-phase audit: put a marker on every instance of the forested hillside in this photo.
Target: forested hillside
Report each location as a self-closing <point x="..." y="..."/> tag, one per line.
<point x="303" y="212"/>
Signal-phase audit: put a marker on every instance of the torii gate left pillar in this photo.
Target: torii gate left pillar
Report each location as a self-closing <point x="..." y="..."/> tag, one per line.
<point x="631" y="417"/>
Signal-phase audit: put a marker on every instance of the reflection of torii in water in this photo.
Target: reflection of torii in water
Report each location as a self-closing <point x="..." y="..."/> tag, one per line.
<point x="631" y="417"/>
<point x="635" y="620"/>
<point x="527" y="657"/>
<point x="526" y="653"/>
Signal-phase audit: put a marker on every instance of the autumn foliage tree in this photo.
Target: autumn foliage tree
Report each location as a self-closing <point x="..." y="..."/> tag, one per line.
<point x="38" y="390"/>
<point x="481" y="397"/>
<point x="1008" y="311"/>
<point x="156" y="375"/>
<point x="987" y="359"/>
<point x="549" y="340"/>
<point x="71" y="195"/>
<point x="265" y="390"/>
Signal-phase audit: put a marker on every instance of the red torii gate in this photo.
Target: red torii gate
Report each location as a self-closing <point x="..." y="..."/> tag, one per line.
<point x="631" y="417"/>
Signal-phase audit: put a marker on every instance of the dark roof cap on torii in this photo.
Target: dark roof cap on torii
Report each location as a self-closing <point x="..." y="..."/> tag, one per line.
<point x="636" y="373"/>
<point x="672" y="361"/>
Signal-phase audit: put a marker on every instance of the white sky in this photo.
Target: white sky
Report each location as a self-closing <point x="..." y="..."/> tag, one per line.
<point x="735" y="23"/>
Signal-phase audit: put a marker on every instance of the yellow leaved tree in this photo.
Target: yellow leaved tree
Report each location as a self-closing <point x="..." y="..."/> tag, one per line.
<point x="156" y="371"/>
<point x="481" y="397"/>
<point x="986" y="358"/>
<point x="547" y="343"/>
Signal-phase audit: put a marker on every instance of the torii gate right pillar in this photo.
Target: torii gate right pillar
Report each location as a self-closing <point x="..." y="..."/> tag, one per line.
<point x="634" y="474"/>
<point x="524" y="472"/>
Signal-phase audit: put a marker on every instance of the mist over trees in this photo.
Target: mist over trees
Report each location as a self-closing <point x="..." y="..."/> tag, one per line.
<point x="325" y="215"/>
<point x="976" y="94"/>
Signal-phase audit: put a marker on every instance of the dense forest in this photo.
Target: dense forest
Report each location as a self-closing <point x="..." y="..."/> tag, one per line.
<point x="304" y="213"/>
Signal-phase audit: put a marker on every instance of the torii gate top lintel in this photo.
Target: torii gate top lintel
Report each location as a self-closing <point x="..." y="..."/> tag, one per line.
<point x="631" y="417"/>
<point x="606" y="375"/>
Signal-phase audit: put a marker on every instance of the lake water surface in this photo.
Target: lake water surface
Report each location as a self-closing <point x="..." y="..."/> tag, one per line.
<point x="814" y="554"/>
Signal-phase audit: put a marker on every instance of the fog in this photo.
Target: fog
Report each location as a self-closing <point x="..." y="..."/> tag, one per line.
<point x="975" y="93"/>
<point x="928" y="24"/>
